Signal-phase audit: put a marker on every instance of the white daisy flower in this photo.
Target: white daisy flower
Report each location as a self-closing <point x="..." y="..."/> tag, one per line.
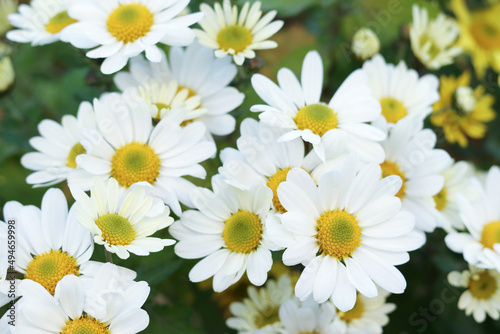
<point x="368" y="315"/>
<point x="4" y="260"/>
<point x="365" y="43"/>
<point x="237" y="35"/>
<point x="261" y="309"/>
<point x="297" y="107"/>
<point x="432" y="41"/>
<point x="304" y="317"/>
<point x="229" y="231"/>
<point x="196" y="72"/>
<point x="127" y="147"/>
<point x="411" y="155"/>
<point x="72" y="308"/>
<point x="482" y="296"/>
<point x="41" y="22"/>
<point x="400" y="91"/>
<point x="122" y="29"/>
<point x="120" y="220"/>
<point x="50" y="243"/>
<point x="261" y="159"/>
<point x="348" y="232"/>
<point x="456" y="181"/>
<point x="169" y="101"/>
<point x="480" y="244"/>
<point x="58" y="146"/>
<point x="5" y="325"/>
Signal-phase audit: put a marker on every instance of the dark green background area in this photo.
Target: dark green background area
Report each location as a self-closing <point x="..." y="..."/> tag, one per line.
<point x="52" y="80"/>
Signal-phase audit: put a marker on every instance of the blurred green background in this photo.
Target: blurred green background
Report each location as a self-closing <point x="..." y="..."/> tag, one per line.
<point x="52" y="80"/>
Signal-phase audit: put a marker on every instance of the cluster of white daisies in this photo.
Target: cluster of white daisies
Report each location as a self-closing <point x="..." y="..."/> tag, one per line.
<point x="343" y="187"/>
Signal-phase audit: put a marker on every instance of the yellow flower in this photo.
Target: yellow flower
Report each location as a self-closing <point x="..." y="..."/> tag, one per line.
<point x="479" y="34"/>
<point x="462" y="111"/>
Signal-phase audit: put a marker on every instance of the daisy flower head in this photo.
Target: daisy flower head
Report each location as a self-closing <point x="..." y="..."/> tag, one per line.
<point x="41" y="22"/>
<point x="228" y="230"/>
<point x="297" y="107"/>
<point x="72" y="308"/>
<point x="479" y="34"/>
<point x="237" y="35"/>
<point x="50" y="242"/>
<point x="411" y="155"/>
<point x="304" y="317"/>
<point x="456" y="181"/>
<point x="170" y="101"/>
<point x="462" y="110"/>
<point x="262" y="159"/>
<point x="122" y="29"/>
<point x="482" y="296"/>
<point x="368" y="315"/>
<point x="126" y="146"/>
<point x="400" y="90"/>
<point x="365" y="43"/>
<point x="480" y="243"/>
<point x="348" y="231"/>
<point x="122" y="220"/>
<point x="260" y="311"/>
<point x="190" y="76"/>
<point x="433" y="41"/>
<point x="58" y="146"/>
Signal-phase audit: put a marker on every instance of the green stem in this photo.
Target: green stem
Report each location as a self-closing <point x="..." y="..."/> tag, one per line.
<point x="108" y="255"/>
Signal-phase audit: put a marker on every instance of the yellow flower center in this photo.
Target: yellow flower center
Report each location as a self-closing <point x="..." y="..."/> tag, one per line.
<point x="59" y="22"/>
<point x="441" y="199"/>
<point x="484" y="286"/>
<point x="273" y="183"/>
<point x="165" y="96"/>
<point x="485" y="29"/>
<point x="355" y="313"/>
<point x="116" y="230"/>
<point x="393" y="110"/>
<point x="75" y="151"/>
<point x="85" y="325"/>
<point x="242" y="232"/>
<point x="268" y="316"/>
<point x="49" y="268"/>
<point x="491" y="234"/>
<point x="391" y="168"/>
<point x="319" y="118"/>
<point x="160" y="107"/>
<point x="191" y="92"/>
<point x="129" y="22"/>
<point x="234" y="37"/>
<point x="339" y="234"/>
<point x="434" y="50"/>
<point x="133" y="163"/>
